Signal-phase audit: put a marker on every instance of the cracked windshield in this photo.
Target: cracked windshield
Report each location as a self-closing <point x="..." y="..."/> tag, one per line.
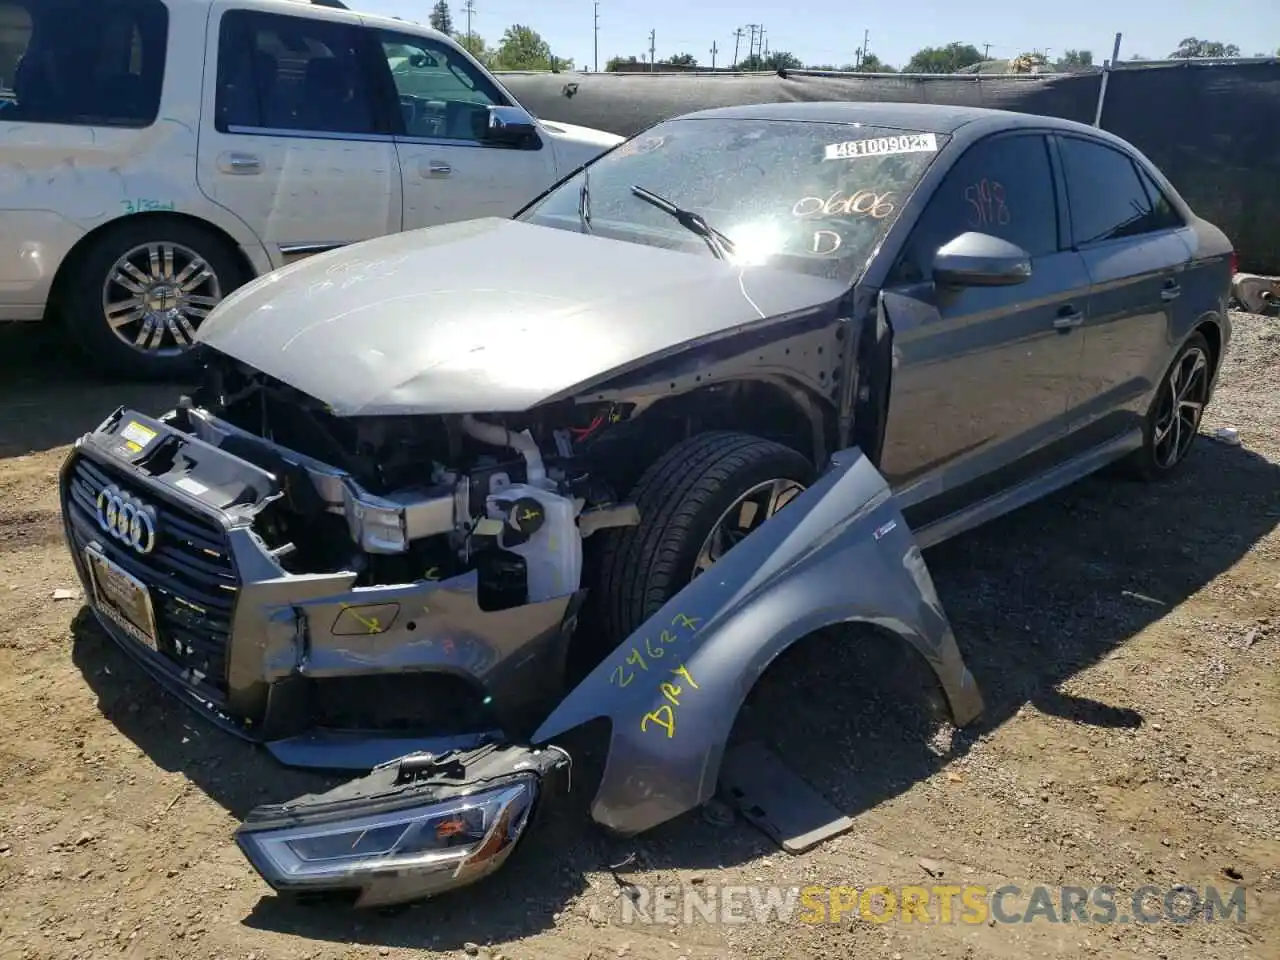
<point x="811" y="197"/>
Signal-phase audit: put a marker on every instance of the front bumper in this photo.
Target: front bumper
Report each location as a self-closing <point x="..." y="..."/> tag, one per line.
<point x="267" y="654"/>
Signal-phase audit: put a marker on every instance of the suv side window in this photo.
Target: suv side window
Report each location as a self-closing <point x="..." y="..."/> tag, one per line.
<point x="282" y="73"/>
<point x="1107" y="196"/>
<point x="82" y="62"/>
<point x="441" y="93"/>
<point x="1003" y="187"/>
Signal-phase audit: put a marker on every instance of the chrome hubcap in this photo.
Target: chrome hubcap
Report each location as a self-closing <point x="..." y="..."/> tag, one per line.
<point x="746" y="514"/>
<point x="156" y="295"/>
<point x="1181" y="406"/>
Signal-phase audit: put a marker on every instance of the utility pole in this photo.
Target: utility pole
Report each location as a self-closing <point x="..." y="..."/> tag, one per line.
<point x="596" y="64"/>
<point x="764" y="46"/>
<point x="751" y="44"/>
<point x="737" y="38"/>
<point x="469" y="7"/>
<point x="866" y="38"/>
<point x="714" y="51"/>
<point x="986" y="51"/>
<point x="653" y="65"/>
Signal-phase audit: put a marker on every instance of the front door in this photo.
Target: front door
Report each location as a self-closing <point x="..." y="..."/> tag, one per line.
<point x="449" y="174"/>
<point x="293" y="142"/>
<point x="982" y="376"/>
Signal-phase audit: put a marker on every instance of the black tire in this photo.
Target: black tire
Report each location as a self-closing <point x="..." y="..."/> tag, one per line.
<point x="85" y="315"/>
<point x="681" y="497"/>
<point x="1150" y="462"/>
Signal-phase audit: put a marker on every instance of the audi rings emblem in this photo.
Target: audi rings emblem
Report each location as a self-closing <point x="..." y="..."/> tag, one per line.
<point x="126" y="519"/>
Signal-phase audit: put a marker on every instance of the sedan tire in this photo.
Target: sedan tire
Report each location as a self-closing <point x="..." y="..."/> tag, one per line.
<point x="697" y="500"/>
<point x="1173" y="421"/>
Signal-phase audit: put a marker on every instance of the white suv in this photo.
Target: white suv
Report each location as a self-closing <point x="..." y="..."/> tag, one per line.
<point x="156" y="154"/>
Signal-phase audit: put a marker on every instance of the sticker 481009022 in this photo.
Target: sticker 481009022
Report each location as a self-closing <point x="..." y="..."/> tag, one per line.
<point x="881" y="146"/>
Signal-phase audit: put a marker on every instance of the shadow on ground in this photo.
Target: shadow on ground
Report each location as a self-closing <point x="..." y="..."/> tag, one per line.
<point x="51" y="394"/>
<point x="1034" y="598"/>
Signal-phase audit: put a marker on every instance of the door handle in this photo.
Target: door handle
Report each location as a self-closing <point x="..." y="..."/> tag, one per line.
<point x="1171" y="290"/>
<point x="435" y="168"/>
<point x="241" y="163"/>
<point x="1068" y="318"/>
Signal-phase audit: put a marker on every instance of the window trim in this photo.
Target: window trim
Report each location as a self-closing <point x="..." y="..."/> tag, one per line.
<point x="246" y="17"/>
<point x="163" y="25"/>
<point x="1139" y="172"/>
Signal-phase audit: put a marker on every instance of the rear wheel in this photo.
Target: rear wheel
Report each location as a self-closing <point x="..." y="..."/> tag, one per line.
<point x="140" y="293"/>
<point x="697" y="501"/>
<point x="1173" y="421"/>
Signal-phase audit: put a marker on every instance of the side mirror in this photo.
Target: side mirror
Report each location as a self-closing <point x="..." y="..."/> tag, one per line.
<point x="511" y="127"/>
<point x="980" y="260"/>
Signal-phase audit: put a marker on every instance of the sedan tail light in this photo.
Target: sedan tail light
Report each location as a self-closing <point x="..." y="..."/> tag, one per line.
<point x="1235" y="262"/>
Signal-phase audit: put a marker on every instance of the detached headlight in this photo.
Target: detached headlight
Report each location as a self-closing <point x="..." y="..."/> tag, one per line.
<point x="390" y="851"/>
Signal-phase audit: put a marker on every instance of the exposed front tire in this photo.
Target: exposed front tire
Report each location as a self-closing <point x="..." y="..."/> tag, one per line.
<point x="1173" y="421"/>
<point x="141" y="291"/>
<point x="696" y="501"/>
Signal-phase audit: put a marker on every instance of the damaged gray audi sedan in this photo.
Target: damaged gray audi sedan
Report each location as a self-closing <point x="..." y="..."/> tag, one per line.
<point x="710" y="394"/>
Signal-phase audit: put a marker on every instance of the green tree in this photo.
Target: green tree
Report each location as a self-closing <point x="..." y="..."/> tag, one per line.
<point x="873" y="64"/>
<point x="778" y="60"/>
<point x="1074" y="59"/>
<point x="441" y="19"/>
<point x="522" y="48"/>
<point x="474" y="44"/>
<point x="611" y="66"/>
<point x="681" y="60"/>
<point x="948" y="59"/>
<point x="1192" y="47"/>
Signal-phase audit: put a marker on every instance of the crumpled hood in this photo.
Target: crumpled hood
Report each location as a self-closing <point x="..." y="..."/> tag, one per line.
<point x="487" y="316"/>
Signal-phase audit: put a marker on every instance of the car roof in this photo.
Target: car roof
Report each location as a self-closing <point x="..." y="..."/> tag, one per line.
<point x="927" y="117"/>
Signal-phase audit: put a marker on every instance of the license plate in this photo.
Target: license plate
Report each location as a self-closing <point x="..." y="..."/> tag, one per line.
<point x="122" y="598"/>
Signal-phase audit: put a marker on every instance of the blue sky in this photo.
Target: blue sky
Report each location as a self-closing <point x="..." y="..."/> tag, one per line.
<point x="828" y="31"/>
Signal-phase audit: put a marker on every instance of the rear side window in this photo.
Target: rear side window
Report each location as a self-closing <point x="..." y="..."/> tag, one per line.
<point x="1002" y="187"/>
<point x="287" y="73"/>
<point x="82" y="62"/>
<point x="1166" y="216"/>
<point x="1108" y="198"/>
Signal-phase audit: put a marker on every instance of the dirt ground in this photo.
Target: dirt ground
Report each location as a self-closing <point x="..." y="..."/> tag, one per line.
<point x="1126" y="638"/>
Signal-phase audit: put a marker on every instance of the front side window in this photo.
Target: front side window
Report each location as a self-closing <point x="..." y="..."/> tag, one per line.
<point x="290" y="73"/>
<point x="1002" y="187"/>
<point x="82" y="62"/>
<point x="1108" y="199"/>
<point x="806" y="196"/>
<point x="441" y="92"/>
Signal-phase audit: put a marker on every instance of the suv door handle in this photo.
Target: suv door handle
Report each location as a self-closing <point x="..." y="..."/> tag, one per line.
<point x="1171" y="290"/>
<point x="1068" y="318"/>
<point x="435" y="168"/>
<point x="239" y="163"/>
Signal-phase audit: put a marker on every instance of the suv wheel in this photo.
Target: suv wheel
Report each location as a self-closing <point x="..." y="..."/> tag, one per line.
<point x="141" y="292"/>
<point x="698" y="500"/>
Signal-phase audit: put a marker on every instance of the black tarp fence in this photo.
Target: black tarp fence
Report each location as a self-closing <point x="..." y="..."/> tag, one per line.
<point x="1213" y="128"/>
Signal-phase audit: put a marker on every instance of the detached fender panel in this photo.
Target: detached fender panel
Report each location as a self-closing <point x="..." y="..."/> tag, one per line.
<point x="841" y="552"/>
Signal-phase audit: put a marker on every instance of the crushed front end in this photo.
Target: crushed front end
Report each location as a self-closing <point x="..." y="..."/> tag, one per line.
<point x="344" y="614"/>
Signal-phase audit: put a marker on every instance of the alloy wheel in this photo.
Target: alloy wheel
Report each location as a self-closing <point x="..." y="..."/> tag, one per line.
<point x="157" y="294"/>
<point x="745" y="515"/>
<point x="1185" y="392"/>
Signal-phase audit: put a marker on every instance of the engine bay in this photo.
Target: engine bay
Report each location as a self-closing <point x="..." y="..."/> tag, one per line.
<point x="404" y="498"/>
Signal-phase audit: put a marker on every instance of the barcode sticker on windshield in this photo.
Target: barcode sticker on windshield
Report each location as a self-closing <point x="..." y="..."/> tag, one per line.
<point x="882" y="146"/>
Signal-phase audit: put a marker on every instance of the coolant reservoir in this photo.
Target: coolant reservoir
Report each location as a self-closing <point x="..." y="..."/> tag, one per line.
<point x="540" y="526"/>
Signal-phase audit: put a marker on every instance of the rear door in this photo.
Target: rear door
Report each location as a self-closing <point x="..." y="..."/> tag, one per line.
<point x="982" y="376"/>
<point x="293" y="141"/>
<point x="441" y="98"/>
<point x="1136" y="249"/>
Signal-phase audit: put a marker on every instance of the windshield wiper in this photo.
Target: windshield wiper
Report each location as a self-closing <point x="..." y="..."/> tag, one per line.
<point x="721" y="246"/>
<point x="584" y="202"/>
